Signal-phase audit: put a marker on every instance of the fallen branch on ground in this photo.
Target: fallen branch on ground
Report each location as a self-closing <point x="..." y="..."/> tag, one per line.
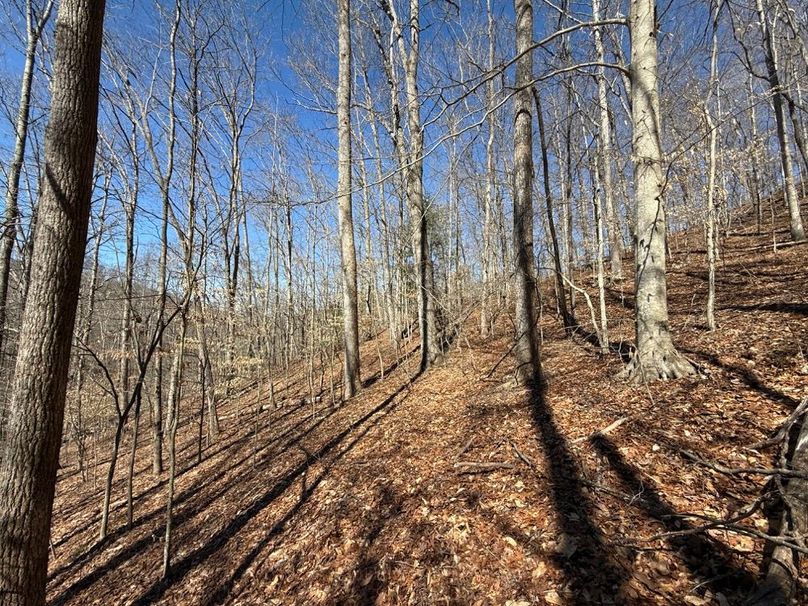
<point x="472" y="467"/>
<point x="604" y="431"/>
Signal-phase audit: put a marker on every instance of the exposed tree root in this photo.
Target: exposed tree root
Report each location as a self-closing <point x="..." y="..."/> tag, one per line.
<point x="663" y="363"/>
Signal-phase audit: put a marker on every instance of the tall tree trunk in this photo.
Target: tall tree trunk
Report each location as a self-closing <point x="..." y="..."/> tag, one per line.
<point x="350" y="313"/>
<point x="789" y="189"/>
<point x="8" y="231"/>
<point x="528" y="368"/>
<point x="754" y="185"/>
<point x="656" y="357"/>
<point x="561" y="293"/>
<point x="597" y="186"/>
<point x="383" y="222"/>
<point x="427" y="316"/>
<point x="31" y="450"/>
<point x="172" y="422"/>
<point x="165" y="191"/>
<point x="486" y="316"/>
<point x="712" y="145"/>
<point x="605" y="155"/>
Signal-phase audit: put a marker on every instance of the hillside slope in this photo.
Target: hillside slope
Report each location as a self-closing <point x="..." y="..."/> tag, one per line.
<point x="456" y="487"/>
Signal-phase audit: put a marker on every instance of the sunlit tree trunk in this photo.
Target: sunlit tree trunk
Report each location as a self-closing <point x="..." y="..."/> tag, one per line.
<point x="8" y="231"/>
<point x="350" y="314"/>
<point x="605" y="155"/>
<point x="789" y="188"/>
<point x="528" y="368"/>
<point x="30" y="454"/>
<point x="655" y="357"/>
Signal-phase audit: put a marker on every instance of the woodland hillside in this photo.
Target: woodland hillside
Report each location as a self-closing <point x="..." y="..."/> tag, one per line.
<point x="403" y="302"/>
<point x="457" y="487"/>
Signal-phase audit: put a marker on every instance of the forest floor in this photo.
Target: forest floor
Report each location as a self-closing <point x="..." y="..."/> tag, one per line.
<point x="375" y="502"/>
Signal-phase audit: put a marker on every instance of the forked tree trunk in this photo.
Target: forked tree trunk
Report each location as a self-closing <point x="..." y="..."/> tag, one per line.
<point x="350" y="313"/>
<point x="655" y="357"/>
<point x="528" y="368"/>
<point x="30" y="453"/>
<point x="414" y="162"/>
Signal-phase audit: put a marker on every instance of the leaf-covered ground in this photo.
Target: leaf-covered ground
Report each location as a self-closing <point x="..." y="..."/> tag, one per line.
<point x="456" y="487"/>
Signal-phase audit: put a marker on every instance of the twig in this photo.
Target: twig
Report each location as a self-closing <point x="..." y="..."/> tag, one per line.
<point x="472" y="467"/>
<point x="604" y="431"/>
<point x="766" y="471"/>
<point x="463" y="450"/>
<point x="524" y="458"/>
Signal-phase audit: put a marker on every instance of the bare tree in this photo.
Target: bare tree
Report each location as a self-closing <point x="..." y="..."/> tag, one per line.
<point x="786" y="163"/>
<point x="350" y="315"/>
<point x="528" y="368"/>
<point x="656" y="357"/>
<point x="31" y="452"/>
<point x="414" y="171"/>
<point x="34" y="26"/>
<point x="605" y="155"/>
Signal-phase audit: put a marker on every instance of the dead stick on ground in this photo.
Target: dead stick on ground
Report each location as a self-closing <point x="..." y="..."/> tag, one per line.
<point x="525" y="459"/>
<point x="602" y="432"/>
<point x="462" y="451"/>
<point x="471" y="467"/>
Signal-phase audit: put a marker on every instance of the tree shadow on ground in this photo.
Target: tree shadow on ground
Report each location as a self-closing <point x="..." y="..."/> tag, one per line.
<point x="789" y="308"/>
<point x="181" y="567"/>
<point x="594" y="573"/>
<point x="706" y="558"/>
<point x="222" y="447"/>
<point x="747" y="376"/>
<point x="367" y="586"/>
<point x="379" y="375"/>
<point x="181" y="515"/>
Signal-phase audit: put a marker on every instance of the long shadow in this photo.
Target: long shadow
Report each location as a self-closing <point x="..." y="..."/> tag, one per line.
<point x="222" y="448"/>
<point x="221" y="594"/>
<point x="180" y="517"/>
<point x="594" y="568"/>
<point x="707" y="559"/>
<point x="363" y="589"/>
<point x="378" y="375"/>
<point x="748" y="377"/>
<point x="789" y="308"/>
<point x="220" y="538"/>
<point x="211" y="452"/>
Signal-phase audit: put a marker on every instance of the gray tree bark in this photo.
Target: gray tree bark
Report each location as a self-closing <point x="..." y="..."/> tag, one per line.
<point x="350" y="313"/>
<point x="605" y="149"/>
<point x="789" y="189"/>
<point x="34" y="28"/>
<point x="528" y="368"/>
<point x="568" y="319"/>
<point x="414" y="162"/>
<point x="31" y="451"/>
<point x="655" y="357"/>
<point x="486" y="315"/>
